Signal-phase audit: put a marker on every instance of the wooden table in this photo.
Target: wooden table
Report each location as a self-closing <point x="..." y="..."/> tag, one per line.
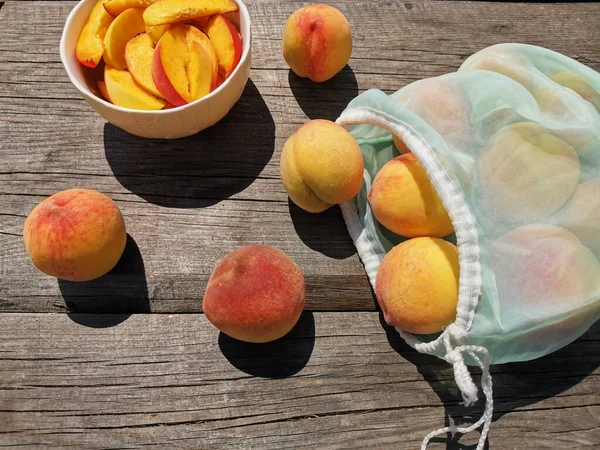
<point x="154" y="373"/>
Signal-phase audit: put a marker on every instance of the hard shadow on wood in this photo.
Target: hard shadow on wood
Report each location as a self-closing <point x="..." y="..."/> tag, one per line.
<point x="325" y="232"/>
<point x="200" y="170"/>
<point x="278" y="359"/>
<point x="516" y="385"/>
<point x="112" y="298"/>
<point x="324" y="100"/>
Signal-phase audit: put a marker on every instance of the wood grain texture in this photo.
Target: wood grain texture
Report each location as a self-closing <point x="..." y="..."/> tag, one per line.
<point x="339" y="380"/>
<point x="188" y="203"/>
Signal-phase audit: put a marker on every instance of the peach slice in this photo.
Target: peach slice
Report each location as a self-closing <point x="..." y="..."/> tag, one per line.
<point x="220" y="81"/>
<point x="195" y="35"/>
<point x="123" y="91"/>
<point x="103" y="91"/>
<point x="200" y="22"/>
<point x="90" y="45"/>
<point x="227" y="42"/>
<point x="173" y="11"/>
<point x="169" y="66"/>
<point x="138" y="54"/>
<point x="156" y="32"/>
<point x="176" y="71"/>
<point x="116" y="7"/>
<point x="124" y="28"/>
<point x="201" y="80"/>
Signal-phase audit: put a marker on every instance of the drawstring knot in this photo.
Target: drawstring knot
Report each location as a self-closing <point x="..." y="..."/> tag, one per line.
<point x="468" y="389"/>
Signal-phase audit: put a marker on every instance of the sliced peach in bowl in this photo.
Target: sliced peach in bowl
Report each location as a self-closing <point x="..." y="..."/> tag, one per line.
<point x="103" y="91"/>
<point x="156" y="32"/>
<point x="197" y="39"/>
<point x="173" y="11"/>
<point x="124" y="28"/>
<point x="169" y="122"/>
<point x="200" y="22"/>
<point x="227" y="42"/>
<point x="90" y="45"/>
<point x="116" y="7"/>
<point x="176" y="72"/>
<point x="124" y="91"/>
<point x="220" y="81"/>
<point x="201" y="80"/>
<point x="169" y="67"/>
<point x="138" y="54"/>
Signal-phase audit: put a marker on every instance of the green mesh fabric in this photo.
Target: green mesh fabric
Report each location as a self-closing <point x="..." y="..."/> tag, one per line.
<point x="511" y="141"/>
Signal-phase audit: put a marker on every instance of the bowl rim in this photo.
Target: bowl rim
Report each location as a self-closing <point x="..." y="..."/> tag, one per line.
<point x="244" y="16"/>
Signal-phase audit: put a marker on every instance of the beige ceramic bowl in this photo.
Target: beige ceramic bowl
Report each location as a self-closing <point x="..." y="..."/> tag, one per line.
<point x="166" y="124"/>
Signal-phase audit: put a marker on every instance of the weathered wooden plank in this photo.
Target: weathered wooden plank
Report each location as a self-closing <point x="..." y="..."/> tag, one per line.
<point x="340" y="380"/>
<point x="187" y="203"/>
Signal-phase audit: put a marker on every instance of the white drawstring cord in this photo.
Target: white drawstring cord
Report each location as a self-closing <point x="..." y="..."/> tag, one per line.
<point x="470" y="279"/>
<point x="467" y="386"/>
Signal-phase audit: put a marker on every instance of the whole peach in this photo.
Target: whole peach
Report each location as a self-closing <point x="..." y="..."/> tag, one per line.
<point x="404" y="201"/>
<point x="417" y="285"/>
<point x="321" y="165"/>
<point x="579" y="86"/>
<point x="400" y="145"/>
<point x="547" y="284"/>
<point x="75" y="235"/>
<point x="582" y="214"/>
<point x="442" y="104"/>
<point x="255" y="294"/>
<point x="526" y="173"/>
<point x="504" y="62"/>
<point x="545" y="269"/>
<point x="317" y="42"/>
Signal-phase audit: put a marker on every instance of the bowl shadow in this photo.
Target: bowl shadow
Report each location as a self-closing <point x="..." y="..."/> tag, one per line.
<point x="516" y="385"/>
<point x="324" y="100"/>
<point x="112" y="298"/>
<point x="325" y="232"/>
<point x="200" y="170"/>
<point x="278" y="359"/>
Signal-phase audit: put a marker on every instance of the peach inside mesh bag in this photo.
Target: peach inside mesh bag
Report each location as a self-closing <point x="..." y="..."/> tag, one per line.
<point x="511" y="144"/>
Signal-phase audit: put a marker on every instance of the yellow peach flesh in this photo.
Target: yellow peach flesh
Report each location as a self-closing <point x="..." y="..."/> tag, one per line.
<point x="177" y="72"/>
<point x="90" y="45"/>
<point x="116" y="7"/>
<point x="226" y="41"/>
<point x="103" y="91"/>
<point x="138" y="54"/>
<point x="125" y="92"/>
<point x="156" y="32"/>
<point x="173" y="11"/>
<point x="124" y="28"/>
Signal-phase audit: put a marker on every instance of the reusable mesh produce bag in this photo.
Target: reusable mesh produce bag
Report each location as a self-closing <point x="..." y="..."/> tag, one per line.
<point x="511" y="143"/>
